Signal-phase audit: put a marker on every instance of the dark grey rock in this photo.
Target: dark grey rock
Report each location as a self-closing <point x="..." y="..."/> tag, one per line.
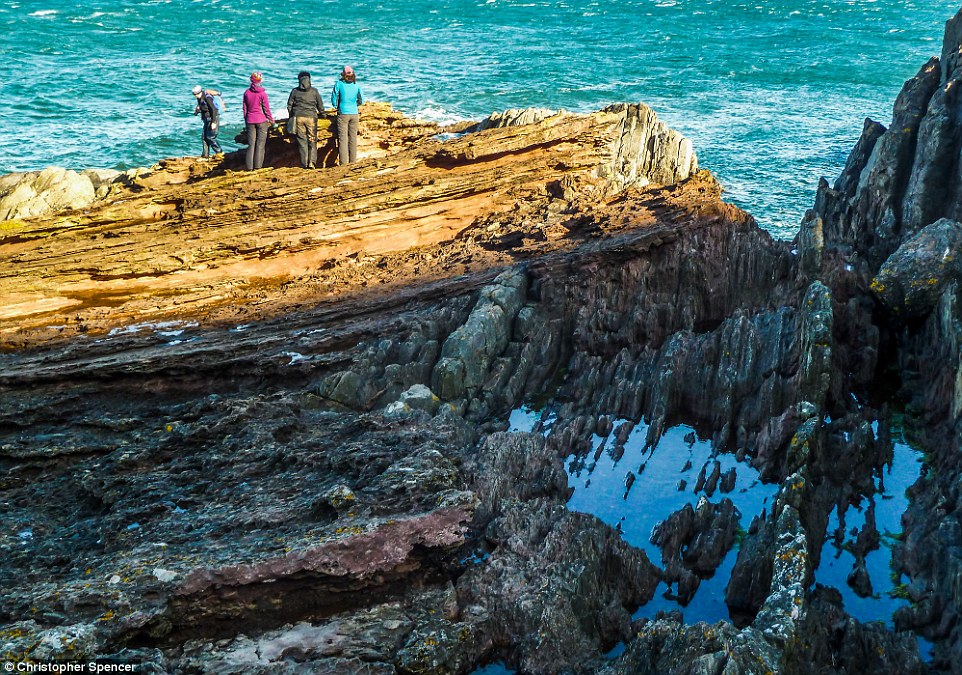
<point x="911" y="281"/>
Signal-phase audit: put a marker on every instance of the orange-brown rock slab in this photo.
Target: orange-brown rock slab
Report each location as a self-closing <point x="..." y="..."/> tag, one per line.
<point x="198" y="246"/>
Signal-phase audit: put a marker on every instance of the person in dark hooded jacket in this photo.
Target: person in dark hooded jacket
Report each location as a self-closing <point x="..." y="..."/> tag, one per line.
<point x="208" y="113"/>
<point x="303" y="107"/>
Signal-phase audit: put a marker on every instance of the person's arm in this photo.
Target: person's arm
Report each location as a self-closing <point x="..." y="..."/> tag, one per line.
<point x="290" y="103"/>
<point x="266" y="107"/>
<point x="335" y="97"/>
<point x="214" y="115"/>
<point x="319" y="102"/>
<point x="244" y="106"/>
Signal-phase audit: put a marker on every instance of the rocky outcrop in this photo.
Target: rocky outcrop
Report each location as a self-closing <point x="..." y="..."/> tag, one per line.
<point x="202" y="243"/>
<point x="514" y="117"/>
<point x="888" y="251"/>
<point x="913" y="279"/>
<point x="693" y="543"/>
<point x="326" y="519"/>
<point x="647" y="150"/>
<point x="40" y="193"/>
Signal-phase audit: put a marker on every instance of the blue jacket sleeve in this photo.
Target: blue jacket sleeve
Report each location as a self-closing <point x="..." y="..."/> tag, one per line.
<point x="334" y="96"/>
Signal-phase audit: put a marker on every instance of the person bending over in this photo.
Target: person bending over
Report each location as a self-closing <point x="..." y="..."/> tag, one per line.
<point x="208" y="113"/>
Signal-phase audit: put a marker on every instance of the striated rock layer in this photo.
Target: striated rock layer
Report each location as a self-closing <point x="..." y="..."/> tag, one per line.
<point x="212" y="248"/>
<point x="257" y="422"/>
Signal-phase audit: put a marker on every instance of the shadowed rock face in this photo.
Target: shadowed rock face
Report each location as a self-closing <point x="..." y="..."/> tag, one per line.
<point x="890" y="225"/>
<point x="256" y="422"/>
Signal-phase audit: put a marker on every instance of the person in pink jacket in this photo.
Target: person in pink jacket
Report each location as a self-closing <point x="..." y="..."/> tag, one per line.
<point x="258" y="117"/>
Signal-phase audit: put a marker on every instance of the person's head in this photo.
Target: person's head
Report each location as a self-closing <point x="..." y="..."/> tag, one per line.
<point x="304" y="79"/>
<point x="256" y="78"/>
<point x="198" y="90"/>
<point x="347" y="74"/>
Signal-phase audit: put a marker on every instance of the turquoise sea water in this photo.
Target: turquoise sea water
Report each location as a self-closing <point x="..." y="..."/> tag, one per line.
<point x="772" y="92"/>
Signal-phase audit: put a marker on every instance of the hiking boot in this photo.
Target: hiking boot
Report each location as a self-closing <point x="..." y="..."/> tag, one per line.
<point x="311" y="166"/>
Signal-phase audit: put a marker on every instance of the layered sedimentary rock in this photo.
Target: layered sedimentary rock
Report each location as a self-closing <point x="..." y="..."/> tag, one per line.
<point x="207" y="247"/>
<point x="326" y="549"/>
<point x="257" y="422"/>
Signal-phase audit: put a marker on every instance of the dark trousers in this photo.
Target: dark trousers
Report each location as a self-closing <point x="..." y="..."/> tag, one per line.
<point x="210" y="139"/>
<point x="347" y="138"/>
<point x="305" y="128"/>
<point x="256" y="140"/>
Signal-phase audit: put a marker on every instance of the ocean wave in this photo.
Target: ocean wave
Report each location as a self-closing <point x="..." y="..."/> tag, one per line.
<point x="439" y="114"/>
<point x="44" y="12"/>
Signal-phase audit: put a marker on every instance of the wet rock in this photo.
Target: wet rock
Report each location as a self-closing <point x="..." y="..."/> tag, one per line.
<point x="604" y="426"/>
<point x="728" y="481"/>
<point x="904" y="203"/>
<point x="785" y="608"/>
<point x="559" y="586"/>
<point x="711" y="482"/>
<point x="868" y="537"/>
<point x="551" y="569"/>
<point x="859" y="580"/>
<point x="829" y="641"/>
<point x="751" y="579"/>
<point x="668" y="646"/>
<point x="694" y="542"/>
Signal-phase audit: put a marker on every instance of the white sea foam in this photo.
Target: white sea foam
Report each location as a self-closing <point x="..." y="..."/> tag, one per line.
<point x="44" y="12"/>
<point x="436" y="113"/>
<point x="166" y="328"/>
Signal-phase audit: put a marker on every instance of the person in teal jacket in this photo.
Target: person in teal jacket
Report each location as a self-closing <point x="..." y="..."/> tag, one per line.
<point x="346" y="97"/>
